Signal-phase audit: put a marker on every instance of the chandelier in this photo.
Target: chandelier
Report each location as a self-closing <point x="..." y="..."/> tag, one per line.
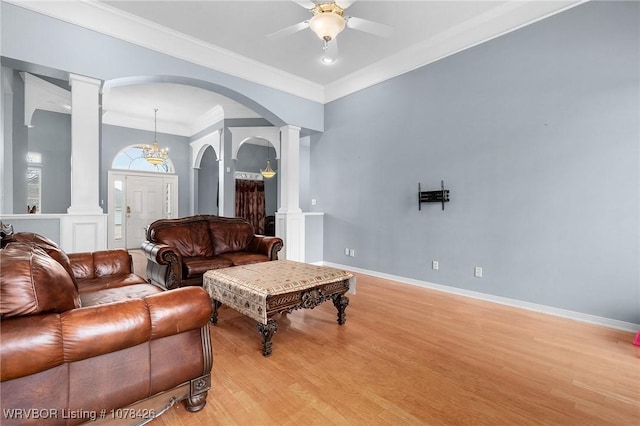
<point x="153" y="154"/>
<point x="268" y="172"/>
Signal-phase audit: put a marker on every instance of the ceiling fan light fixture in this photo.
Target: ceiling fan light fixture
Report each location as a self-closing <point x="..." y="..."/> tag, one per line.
<point x="327" y="21"/>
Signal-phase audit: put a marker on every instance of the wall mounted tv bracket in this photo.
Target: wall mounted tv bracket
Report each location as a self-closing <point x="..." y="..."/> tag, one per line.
<point x="441" y="196"/>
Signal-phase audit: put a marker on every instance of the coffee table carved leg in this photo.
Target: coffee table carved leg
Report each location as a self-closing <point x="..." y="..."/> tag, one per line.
<point x="214" y="310"/>
<point x="340" y="301"/>
<point x="267" y="331"/>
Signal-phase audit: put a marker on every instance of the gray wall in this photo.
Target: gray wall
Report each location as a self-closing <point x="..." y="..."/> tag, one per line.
<point x="207" y="183"/>
<point x="305" y="152"/>
<point x="536" y="135"/>
<point x="47" y="227"/>
<point x="51" y="136"/>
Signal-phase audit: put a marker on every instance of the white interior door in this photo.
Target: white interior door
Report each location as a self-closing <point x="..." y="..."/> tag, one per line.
<point x="136" y="200"/>
<point x="144" y="204"/>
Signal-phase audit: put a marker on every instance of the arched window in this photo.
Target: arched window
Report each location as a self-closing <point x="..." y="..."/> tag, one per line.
<point x="130" y="158"/>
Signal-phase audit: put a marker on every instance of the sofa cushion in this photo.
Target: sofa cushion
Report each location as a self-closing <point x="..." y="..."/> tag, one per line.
<point x="47" y="245"/>
<point x="245" y="257"/>
<point x="118" y="294"/>
<point x="196" y="266"/>
<point x="32" y="282"/>
<point x="189" y="239"/>
<point x="231" y="236"/>
<point x="110" y="281"/>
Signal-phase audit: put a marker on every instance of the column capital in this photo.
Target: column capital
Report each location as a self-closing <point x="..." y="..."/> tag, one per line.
<point x="84" y="79"/>
<point x="290" y="127"/>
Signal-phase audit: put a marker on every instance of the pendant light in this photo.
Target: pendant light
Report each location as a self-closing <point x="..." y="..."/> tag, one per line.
<point x="153" y="154"/>
<point x="268" y="172"/>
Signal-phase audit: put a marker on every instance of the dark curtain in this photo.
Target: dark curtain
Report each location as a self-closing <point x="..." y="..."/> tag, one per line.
<point x="250" y="203"/>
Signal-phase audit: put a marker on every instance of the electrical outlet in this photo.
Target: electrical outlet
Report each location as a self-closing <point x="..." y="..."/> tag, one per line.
<point x="435" y="265"/>
<point x="477" y="272"/>
<point x="346" y="252"/>
<point x="352" y="253"/>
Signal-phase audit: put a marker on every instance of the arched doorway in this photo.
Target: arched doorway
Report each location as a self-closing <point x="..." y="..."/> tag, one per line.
<point x="207" y="188"/>
<point x="256" y="195"/>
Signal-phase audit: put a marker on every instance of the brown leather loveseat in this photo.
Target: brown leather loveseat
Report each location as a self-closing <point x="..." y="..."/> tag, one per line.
<point x="180" y="251"/>
<point x="82" y="337"/>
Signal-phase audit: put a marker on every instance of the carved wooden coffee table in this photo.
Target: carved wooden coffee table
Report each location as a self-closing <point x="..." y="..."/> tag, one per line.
<point x="261" y="290"/>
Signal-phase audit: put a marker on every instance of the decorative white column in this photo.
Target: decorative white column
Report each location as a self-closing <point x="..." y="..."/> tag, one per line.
<point x="85" y="147"/>
<point x="84" y="228"/>
<point x="289" y="169"/>
<point x="289" y="219"/>
<point x="6" y="142"/>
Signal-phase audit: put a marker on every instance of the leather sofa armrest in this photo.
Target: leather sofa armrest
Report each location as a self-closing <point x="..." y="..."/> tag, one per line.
<point x="40" y="342"/>
<point x="180" y="310"/>
<point x="161" y="254"/>
<point x="269" y="246"/>
<point x="164" y="264"/>
<point x="30" y="344"/>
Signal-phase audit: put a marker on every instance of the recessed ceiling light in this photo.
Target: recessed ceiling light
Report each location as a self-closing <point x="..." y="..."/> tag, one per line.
<point x="327" y="61"/>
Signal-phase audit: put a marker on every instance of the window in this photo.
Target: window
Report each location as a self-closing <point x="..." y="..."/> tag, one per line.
<point x="34" y="189"/>
<point x="118" y="210"/>
<point x="34" y="182"/>
<point x="130" y="158"/>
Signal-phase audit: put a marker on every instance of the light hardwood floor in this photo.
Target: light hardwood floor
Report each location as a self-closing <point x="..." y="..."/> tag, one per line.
<point x="409" y="355"/>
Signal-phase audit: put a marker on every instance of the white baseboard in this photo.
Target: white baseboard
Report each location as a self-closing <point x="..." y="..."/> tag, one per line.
<point x="550" y="310"/>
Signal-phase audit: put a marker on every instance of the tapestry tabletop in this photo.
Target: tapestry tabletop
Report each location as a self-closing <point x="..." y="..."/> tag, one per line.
<point x="246" y="288"/>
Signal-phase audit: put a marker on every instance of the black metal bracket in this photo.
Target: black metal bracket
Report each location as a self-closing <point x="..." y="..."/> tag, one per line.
<point x="441" y="196"/>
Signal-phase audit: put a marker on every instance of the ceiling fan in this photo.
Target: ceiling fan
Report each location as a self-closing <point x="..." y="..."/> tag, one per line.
<point x="328" y="21"/>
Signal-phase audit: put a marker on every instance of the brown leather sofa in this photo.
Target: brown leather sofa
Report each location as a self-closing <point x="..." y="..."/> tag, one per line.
<point x="180" y="251"/>
<point x="82" y="338"/>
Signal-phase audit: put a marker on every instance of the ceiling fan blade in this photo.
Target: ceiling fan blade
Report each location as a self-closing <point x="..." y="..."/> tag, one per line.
<point x="330" y="52"/>
<point x="287" y="31"/>
<point x="370" y="27"/>
<point x="345" y="3"/>
<point x="307" y="4"/>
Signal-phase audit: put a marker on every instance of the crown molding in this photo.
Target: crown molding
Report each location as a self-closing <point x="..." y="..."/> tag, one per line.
<point x="110" y="21"/>
<point x="96" y="16"/>
<point x="494" y="23"/>
<point x="208" y="119"/>
<point x="117" y="118"/>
